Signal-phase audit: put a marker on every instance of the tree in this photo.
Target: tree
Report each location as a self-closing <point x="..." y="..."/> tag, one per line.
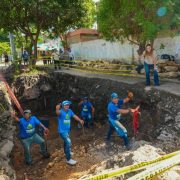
<point x="4" y="47"/>
<point x="3" y="36"/>
<point x="30" y="17"/>
<point x="85" y="21"/>
<point x="4" y="42"/>
<point x="135" y="20"/>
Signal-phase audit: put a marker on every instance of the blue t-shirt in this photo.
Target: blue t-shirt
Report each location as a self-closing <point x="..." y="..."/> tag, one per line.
<point x="27" y="127"/>
<point x="120" y="103"/>
<point x="64" y="120"/>
<point x="112" y="108"/>
<point x="86" y="108"/>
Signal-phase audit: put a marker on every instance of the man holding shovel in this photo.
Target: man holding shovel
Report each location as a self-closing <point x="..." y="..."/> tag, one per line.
<point x="115" y="111"/>
<point x="28" y="135"/>
<point x="65" y="114"/>
<point x="87" y="112"/>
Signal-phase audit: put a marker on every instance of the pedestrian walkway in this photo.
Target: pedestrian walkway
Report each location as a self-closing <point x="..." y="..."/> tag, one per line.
<point x="167" y="85"/>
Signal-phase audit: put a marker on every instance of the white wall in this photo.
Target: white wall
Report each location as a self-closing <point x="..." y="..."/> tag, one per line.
<point x="172" y="46"/>
<point x="105" y="50"/>
<point x="101" y="49"/>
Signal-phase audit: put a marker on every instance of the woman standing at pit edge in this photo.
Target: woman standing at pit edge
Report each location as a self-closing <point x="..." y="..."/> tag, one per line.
<point x="150" y="62"/>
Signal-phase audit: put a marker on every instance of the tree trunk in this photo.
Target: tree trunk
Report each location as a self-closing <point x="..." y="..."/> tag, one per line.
<point x="64" y="41"/>
<point x="30" y="49"/>
<point x="133" y="58"/>
<point x="141" y="48"/>
<point x="35" y="52"/>
<point x="152" y="42"/>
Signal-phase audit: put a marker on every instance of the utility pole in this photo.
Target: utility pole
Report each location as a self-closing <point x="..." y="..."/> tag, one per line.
<point x="13" y="48"/>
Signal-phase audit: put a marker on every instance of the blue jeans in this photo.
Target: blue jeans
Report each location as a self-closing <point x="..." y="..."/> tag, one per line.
<point x="147" y="70"/>
<point x="116" y="126"/>
<point x="87" y="119"/>
<point x="35" y="139"/>
<point x="67" y="144"/>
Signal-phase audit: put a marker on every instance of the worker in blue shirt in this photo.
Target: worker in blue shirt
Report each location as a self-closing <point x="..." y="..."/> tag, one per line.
<point x="87" y="111"/>
<point x="115" y="111"/>
<point x="27" y="133"/>
<point x="65" y="114"/>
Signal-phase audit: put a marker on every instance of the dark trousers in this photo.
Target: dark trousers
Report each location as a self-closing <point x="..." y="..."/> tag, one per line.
<point x="57" y="64"/>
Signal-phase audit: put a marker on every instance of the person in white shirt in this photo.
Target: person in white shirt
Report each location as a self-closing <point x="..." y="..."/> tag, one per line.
<point x="150" y="62"/>
<point x="55" y="58"/>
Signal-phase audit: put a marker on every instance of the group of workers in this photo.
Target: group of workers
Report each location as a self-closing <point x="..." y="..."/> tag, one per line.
<point x="28" y="123"/>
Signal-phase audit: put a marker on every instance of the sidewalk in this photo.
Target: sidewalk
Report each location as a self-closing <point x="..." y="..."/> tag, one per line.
<point x="170" y="86"/>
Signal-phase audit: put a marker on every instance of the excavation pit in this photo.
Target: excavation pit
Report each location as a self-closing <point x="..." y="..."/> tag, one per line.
<point x="41" y="93"/>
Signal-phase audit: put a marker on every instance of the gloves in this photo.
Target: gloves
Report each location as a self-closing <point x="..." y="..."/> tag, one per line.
<point x="46" y="132"/>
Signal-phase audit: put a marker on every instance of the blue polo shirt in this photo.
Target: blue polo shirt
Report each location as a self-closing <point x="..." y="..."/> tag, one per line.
<point x="64" y="120"/>
<point x="86" y="108"/>
<point x="112" y="108"/>
<point x="27" y="127"/>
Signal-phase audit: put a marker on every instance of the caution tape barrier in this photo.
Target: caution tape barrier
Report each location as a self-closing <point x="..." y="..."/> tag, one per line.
<point x="74" y="66"/>
<point x="130" y="168"/>
<point x="77" y="61"/>
<point x="157" y="169"/>
<point x="102" y="72"/>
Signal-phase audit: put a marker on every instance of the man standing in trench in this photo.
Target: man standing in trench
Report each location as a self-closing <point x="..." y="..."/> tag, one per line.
<point x="87" y="112"/>
<point x="28" y="135"/>
<point x="65" y="114"/>
<point x="115" y="110"/>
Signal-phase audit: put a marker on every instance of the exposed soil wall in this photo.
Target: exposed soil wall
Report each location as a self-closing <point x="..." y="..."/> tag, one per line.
<point x="7" y="130"/>
<point x="159" y="122"/>
<point x="159" y="109"/>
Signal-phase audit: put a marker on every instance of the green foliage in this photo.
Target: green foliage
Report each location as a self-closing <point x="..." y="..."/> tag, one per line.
<point x="4" y="47"/>
<point x="3" y="36"/>
<point x="30" y="17"/>
<point x="136" y="20"/>
<point x="162" y="46"/>
<point x="88" y="19"/>
<point x="21" y="40"/>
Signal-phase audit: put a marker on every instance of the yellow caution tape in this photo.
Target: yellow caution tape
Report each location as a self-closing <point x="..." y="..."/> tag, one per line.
<point x="130" y="168"/>
<point x="157" y="169"/>
<point x="92" y="70"/>
<point x="108" y="73"/>
<point x="46" y="58"/>
<point x="84" y="61"/>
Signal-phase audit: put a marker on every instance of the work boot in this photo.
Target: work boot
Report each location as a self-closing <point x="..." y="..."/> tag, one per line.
<point x="29" y="163"/>
<point x="46" y="155"/>
<point x="128" y="147"/>
<point x="107" y="142"/>
<point x="71" y="162"/>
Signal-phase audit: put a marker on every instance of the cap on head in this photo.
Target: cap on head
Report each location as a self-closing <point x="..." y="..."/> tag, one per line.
<point x="64" y="103"/>
<point x="27" y="111"/>
<point x="114" y="95"/>
<point x="85" y="98"/>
